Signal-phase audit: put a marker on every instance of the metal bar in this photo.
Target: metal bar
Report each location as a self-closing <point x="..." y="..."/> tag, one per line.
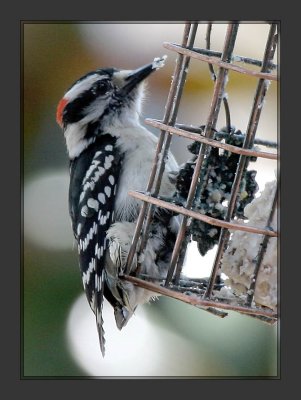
<point x="235" y="58"/>
<point x="168" y="110"/>
<point x="211" y="122"/>
<point x="249" y="139"/>
<point x="196" y="300"/>
<point x="181" y="259"/>
<point x="260" y="256"/>
<point x="211" y="142"/>
<point x="217" y="61"/>
<point x="172" y="118"/>
<point x="267" y="320"/>
<point x="193" y="214"/>
<point x="194" y="129"/>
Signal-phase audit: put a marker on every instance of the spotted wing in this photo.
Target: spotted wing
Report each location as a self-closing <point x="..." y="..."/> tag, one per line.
<point x="91" y="210"/>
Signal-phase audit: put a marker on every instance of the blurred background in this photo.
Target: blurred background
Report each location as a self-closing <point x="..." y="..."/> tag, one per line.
<point x="167" y="337"/>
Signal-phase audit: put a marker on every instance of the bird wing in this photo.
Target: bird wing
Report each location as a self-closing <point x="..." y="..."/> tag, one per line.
<point x="91" y="210"/>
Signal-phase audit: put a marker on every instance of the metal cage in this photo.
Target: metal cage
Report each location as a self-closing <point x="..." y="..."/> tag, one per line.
<point x="195" y="292"/>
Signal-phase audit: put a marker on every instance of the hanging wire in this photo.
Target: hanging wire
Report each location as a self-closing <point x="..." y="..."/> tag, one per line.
<point x="213" y="76"/>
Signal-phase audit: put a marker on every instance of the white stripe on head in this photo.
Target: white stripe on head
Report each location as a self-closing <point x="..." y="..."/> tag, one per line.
<point x="82" y="86"/>
<point x="94" y="110"/>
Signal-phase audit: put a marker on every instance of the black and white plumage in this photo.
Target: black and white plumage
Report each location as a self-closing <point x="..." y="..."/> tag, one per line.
<point x="111" y="153"/>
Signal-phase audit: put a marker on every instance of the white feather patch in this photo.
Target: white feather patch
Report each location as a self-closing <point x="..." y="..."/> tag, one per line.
<point x="86" y="275"/>
<point x="82" y="86"/>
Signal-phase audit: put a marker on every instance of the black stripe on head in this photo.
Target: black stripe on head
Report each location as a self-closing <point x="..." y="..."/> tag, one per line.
<point x="75" y="110"/>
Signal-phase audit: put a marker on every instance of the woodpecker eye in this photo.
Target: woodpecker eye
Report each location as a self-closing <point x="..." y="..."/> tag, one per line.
<point x="101" y="87"/>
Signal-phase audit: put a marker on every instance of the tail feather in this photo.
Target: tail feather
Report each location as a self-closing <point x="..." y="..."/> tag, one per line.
<point x="101" y="332"/>
<point x="98" y="306"/>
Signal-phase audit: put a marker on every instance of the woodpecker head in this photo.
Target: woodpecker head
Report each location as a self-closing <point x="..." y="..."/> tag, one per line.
<point x="100" y="100"/>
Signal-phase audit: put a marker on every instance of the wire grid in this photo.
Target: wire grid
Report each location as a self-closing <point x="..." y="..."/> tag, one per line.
<point x="204" y="297"/>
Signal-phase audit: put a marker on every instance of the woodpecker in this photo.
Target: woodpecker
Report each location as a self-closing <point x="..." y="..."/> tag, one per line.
<point x="110" y="153"/>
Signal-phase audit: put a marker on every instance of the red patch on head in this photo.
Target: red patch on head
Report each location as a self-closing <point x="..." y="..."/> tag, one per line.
<point x="59" y="111"/>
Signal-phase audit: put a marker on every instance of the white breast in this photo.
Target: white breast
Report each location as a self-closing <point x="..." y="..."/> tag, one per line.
<point x="138" y="146"/>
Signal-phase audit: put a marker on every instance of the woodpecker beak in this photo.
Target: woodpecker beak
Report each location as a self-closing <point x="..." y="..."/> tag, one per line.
<point x="138" y="75"/>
